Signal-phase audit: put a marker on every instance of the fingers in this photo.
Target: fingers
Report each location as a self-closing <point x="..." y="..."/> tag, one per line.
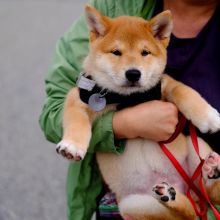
<point x="155" y="120"/>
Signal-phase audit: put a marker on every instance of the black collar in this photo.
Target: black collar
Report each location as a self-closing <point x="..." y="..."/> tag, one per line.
<point x="123" y="101"/>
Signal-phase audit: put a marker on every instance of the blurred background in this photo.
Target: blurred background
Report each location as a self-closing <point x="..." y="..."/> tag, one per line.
<point x="32" y="176"/>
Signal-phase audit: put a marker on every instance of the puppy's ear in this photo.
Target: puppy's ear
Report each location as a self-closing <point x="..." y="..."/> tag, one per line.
<point x="97" y="23"/>
<point x="161" y="26"/>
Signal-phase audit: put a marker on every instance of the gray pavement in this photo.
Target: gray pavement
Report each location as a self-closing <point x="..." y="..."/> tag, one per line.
<point x="32" y="176"/>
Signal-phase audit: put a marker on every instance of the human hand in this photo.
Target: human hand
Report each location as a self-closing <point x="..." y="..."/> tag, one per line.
<point x="155" y="120"/>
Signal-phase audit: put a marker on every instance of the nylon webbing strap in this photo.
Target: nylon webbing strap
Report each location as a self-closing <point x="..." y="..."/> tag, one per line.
<point x="201" y="193"/>
<point x="201" y="184"/>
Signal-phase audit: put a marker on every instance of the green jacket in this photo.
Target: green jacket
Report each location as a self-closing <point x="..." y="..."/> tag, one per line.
<point x="84" y="182"/>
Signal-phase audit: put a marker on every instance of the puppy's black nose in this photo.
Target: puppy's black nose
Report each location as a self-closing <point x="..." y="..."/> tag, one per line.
<point x="133" y="75"/>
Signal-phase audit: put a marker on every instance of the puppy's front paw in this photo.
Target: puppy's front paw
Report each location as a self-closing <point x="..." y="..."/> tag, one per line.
<point x="210" y="122"/>
<point x="68" y="150"/>
<point x="163" y="192"/>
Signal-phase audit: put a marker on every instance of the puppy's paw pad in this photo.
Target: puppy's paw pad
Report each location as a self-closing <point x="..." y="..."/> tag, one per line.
<point x="164" y="192"/>
<point x="70" y="151"/>
<point x="211" y="121"/>
<point x="211" y="167"/>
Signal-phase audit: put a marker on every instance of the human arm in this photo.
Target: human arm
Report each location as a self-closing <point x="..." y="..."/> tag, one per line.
<point x="155" y="120"/>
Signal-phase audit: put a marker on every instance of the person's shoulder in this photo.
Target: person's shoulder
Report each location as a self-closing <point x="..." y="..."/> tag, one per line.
<point x="114" y="8"/>
<point x="106" y="7"/>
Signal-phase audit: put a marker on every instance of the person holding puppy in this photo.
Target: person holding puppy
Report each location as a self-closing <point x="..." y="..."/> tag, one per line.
<point x="192" y="59"/>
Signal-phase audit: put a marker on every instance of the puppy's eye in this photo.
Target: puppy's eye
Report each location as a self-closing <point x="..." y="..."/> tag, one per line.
<point x="116" y="52"/>
<point x="144" y="53"/>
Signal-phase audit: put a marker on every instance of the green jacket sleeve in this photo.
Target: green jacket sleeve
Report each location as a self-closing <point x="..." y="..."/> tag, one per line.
<point x="61" y="77"/>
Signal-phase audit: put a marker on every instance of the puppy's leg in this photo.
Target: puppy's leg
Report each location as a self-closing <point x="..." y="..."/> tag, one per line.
<point x="76" y="127"/>
<point x="211" y="176"/>
<point x="178" y="204"/>
<point x="142" y="207"/>
<point x="165" y="204"/>
<point x="191" y="104"/>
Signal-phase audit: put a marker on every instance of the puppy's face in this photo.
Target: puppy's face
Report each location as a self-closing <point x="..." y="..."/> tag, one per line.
<point x="127" y="54"/>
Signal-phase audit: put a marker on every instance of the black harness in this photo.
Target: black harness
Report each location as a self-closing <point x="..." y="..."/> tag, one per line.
<point x="122" y="101"/>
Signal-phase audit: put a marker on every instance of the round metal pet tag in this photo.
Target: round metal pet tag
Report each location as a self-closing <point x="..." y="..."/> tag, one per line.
<point x="97" y="102"/>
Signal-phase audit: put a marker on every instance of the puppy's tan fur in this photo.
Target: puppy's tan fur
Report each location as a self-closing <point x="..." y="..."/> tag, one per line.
<point x="132" y="174"/>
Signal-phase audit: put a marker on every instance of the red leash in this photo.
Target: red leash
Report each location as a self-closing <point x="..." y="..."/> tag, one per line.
<point x="201" y="192"/>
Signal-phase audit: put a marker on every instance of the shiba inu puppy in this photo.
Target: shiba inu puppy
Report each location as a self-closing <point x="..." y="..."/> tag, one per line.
<point x="127" y="57"/>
